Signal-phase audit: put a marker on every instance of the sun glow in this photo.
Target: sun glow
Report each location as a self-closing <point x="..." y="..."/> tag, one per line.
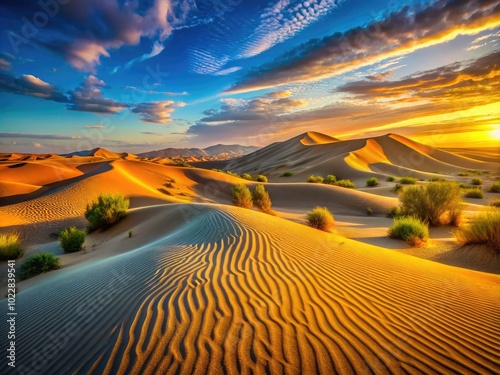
<point x="495" y="133"/>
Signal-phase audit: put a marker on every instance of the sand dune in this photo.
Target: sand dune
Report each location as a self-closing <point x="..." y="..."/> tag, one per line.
<point x="258" y="295"/>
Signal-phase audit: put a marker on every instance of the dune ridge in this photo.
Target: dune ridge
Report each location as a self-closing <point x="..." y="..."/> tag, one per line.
<point x="260" y="295"/>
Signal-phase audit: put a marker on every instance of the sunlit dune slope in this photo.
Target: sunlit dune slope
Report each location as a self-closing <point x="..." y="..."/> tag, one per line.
<point x="358" y="159"/>
<point x="228" y="290"/>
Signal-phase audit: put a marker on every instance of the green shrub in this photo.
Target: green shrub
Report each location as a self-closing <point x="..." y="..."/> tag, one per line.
<point x="483" y="229"/>
<point x="247" y="176"/>
<point x="320" y="218"/>
<point x="233" y="174"/>
<point x="410" y="229"/>
<point x="495" y="188"/>
<point x="397" y="188"/>
<point x="11" y="246"/>
<point x="390" y="179"/>
<point x="107" y="210"/>
<point x="345" y="184"/>
<point x="477" y="181"/>
<point x="408" y="180"/>
<point x="287" y="174"/>
<point x="330" y="179"/>
<point x="261" y="178"/>
<point x="38" y="264"/>
<point x="495" y="203"/>
<point x="242" y="196"/>
<point x="437" y="179"/>
<point x="72" y="239"/>
<point x="474" y="193"/>
<point x="463" y="174"/>
<point x="435" y="203"/>
<point x="315" y="179"/>
<point x="372" y="181"/>
<point x="261" y="199"/>
<point x="130" y="233"/>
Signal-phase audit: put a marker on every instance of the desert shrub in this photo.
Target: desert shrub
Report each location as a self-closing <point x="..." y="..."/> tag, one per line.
<point x="315" y="179"/>
<point x="72" y="240"/>
<point x="436" y="179"/>
<point x="372" y="181"/>
<point x="11" y="246"/>
<point x="477" y="181"/>
<point x="394" y="212"/>
<point x="233" y="174"/>
<point x="495" y="203"/>
<point x="287" y="174"/>
<point x="261" y="178"/>
<point x="261" y="199"/>
<point x="474" y="193"/>
<point x="369" y="211"/>
<point x="408" y="180"/>
<point x="320" y="218"/>
<point x="463" y="174"/>
<point x="330" y="179"/>
<point x="397" y="188"/>
<point x="107" y="210"/>
<point x="345" y="184"/>
<point x="410" y="229"/>
<point x="390" y="179"/>
<point x="242" y="196"/>
<point x="183" y="164"/>
<point x="475" y="171"/>
<point x="130" y="233"/>
<point x="483" y="229"/>
<point x="247" y="176"/>
<point x="432" y="203"/>
<point x="38" y="264"/>
<point x="495" y="188"/>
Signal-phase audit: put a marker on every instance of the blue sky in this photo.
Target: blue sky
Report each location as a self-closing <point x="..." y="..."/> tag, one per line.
<point x="141" y="75"/>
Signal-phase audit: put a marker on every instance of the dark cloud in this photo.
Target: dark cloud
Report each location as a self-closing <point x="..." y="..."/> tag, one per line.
<point x="401" y="32"/>
<point x="473" y="80"/>
<point x="30" y="86"/>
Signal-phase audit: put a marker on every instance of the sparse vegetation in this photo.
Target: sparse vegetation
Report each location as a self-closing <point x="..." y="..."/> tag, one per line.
<point x="261" y="178"/>
<point x="320" y="218"/>
<point x="477" y="181"/>
<point x="483" y="229"/>
<point x="394" y="212"/>
<point x="474" y="193"/>
<point x="286" y="174"/>
<point x="247" y="176"/>
<point x="345" y="184"/>
<point x="262" y="200"/>
<point x="242" y="196"/>
<point x="315" y="179"/>
<point x="11" y="246"/>
<point x="37" y="264"/>
<point x="107" y="210"/>
<point x="372" y="181"/>
<point x="72" y="240"/>
<point x="495" y="188"/>
<point x="130" y="233"/>
<point x="233" y="174"/>
<point x="390" y="179"/>
<point x="495" y="203"/>
<point x="369" y="211"/>
<point x="435" y="203"/>
<point x="463" y="174"/>
<point x="408" y="180"/>
<point x="410" y="229"/>
<point x="330" y="179"/>
<point x="397" y="188"/>
<point x="436" y="179"/>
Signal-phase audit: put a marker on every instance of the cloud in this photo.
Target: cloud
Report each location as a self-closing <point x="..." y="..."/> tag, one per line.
<point x="37" y="145"/>
<point x="85" y="31"/>
<point x="30" y="85"/>
<point x="94" y="127"/>
<point x="283" y="20"/>
<point x="225" y="72"/>
<point x="483" y="41"/>
<point x="476" y="81"/>
<point x="152" y="92"/>
<point x="401" y="32"/>
<point x="157" y="49"/>
<point x="157" y="112"/>
<point x="150" y="133"/>
<point x="88" y="98"/>
<point x="379" y="76"/>
<point x="279" y="94"/>
<point x="37" y="136"/>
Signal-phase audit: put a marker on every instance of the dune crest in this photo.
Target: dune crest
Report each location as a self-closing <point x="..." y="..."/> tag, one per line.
<point x="371" y="153"/>
<point x="314" y="138"/>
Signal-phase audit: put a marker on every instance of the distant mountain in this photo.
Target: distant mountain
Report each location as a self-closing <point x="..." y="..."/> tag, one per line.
<point x="217" y="152"/>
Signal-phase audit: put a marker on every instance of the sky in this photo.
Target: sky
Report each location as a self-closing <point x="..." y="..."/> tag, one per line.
<point x="139" y="75"/>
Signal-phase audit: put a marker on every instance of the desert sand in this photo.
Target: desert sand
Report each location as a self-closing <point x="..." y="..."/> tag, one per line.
<point x="205" y="287"/>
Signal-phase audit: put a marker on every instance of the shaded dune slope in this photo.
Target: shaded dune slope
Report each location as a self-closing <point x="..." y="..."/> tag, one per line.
<point x="233" y="291"/>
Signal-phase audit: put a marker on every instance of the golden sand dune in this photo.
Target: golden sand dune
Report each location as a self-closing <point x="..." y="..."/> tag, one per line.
<point x="234" y="291"/>
<point x="358" y="159"/>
